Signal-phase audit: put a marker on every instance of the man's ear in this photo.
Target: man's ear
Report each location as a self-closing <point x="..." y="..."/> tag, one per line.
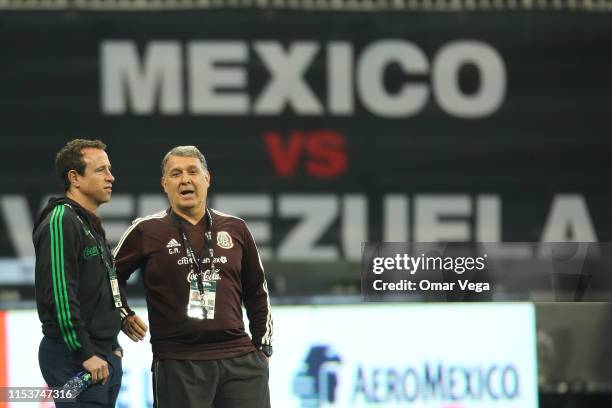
<point x="73" y="178"/>
<point x="163" y="183"/>
<point x="207" y="177"/>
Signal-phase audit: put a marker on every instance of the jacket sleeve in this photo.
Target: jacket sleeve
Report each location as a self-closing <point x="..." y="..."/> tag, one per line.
<point x="255" y="293"/>
<point x="128" y="256"/>
<point x="58" y="259"/>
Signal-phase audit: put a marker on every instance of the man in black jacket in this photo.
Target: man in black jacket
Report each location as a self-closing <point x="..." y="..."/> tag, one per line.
<point x="76" y="286"/>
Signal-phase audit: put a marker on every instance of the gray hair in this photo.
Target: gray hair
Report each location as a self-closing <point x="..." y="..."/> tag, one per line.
<point x="184" y="151"/>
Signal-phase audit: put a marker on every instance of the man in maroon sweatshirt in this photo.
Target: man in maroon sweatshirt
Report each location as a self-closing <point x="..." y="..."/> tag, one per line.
<point x="199" y="266"/>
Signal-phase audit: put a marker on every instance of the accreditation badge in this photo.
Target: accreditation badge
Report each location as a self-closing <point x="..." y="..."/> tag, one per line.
<point x="116" y="294"/>
<point x="114" y="284"/>
<point x="201" y="305"/>
<point x="208" y="298"/>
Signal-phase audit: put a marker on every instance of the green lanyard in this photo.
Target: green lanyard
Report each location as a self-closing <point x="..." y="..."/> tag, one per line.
<point x="104" y="258"/>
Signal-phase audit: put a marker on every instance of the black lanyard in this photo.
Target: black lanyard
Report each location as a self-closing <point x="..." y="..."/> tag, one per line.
<point x="208" y="247"/>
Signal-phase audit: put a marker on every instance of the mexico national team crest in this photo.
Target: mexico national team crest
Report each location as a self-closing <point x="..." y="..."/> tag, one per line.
<point x="224" y="240"/>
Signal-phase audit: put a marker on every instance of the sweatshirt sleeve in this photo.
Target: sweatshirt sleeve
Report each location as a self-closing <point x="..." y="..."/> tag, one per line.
<point x="255" y="292"/>
<point x="59" y="247"/>
<point x="128" y="256"/>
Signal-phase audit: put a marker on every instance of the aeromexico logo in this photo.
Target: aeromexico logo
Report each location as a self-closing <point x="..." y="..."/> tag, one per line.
<point x="372" y="380"/>
<point x="208" y="276"/>
<point x="90" y="252"/>
<point x="316" y="382"/>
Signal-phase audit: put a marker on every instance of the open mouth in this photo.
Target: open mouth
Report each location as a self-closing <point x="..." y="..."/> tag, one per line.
<point x="187" y="193"/>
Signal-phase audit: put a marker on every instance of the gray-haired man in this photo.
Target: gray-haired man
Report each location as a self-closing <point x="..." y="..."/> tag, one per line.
<point x="199" y="266"/>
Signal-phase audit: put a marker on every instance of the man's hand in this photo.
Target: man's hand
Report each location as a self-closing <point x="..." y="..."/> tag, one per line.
<point x="134" y="328"/>
<point x="98" y="368"/>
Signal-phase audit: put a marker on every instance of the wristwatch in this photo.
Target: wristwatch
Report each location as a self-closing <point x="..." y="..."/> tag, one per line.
<point x="266" y="349"/>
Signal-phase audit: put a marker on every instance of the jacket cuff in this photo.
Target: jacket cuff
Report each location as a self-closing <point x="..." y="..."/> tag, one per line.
<point x="126" y="312"/>
<point x="85" y="352"/>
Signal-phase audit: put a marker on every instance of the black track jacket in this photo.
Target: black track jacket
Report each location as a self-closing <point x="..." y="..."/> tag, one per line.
<point x="73" y="293"/>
